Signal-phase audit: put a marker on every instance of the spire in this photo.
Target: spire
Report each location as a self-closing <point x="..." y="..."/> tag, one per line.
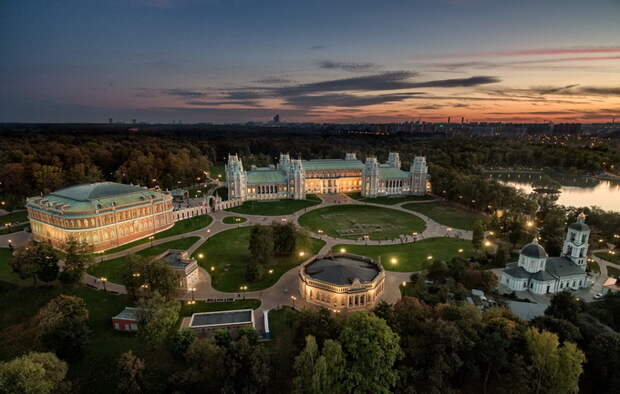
<point x="581" y="218"/>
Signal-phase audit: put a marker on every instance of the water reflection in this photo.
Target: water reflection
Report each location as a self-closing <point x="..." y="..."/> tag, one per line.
<point x="575" y="191"/>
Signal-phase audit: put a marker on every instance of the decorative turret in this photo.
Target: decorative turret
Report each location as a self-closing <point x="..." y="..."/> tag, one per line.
<point x="394" y="159"/>
<point x="370" y="178"/>
<point x="297" y="177"/>
<point x="350" y="156"/>
<point x="576" y="242"/>
<point x="419" y="176"/>
<point x="236" y="178"/>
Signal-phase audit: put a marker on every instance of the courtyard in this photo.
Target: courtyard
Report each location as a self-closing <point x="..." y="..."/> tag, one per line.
<point x="357" y="221"/>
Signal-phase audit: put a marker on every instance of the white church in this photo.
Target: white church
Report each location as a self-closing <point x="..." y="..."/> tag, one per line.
<point x="540" y="274"/>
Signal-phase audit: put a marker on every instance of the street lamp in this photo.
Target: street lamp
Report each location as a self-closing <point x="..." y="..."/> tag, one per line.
<point x="151" y="238"/>
<point x="529" y="223"/>
<point x="460" y="250"/>
<point x="200" y="255"/>
<point x="104" y="280"/>
<point x="393" y="260"/>
<point x="302" y="254"/>
<point x="487" y="243"/>
<point x="429" y="257"/>
<point x="343" y="250"/>
<point x="212" y="268"/>
<point x="293" y="298"/>
<point x="270" y="271"/>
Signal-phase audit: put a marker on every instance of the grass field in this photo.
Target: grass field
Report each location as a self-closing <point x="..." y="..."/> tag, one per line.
<point x="412" y="256"/>
<point x="180" y="227"/>
<point x="378" y="223"/>
<point x="6" y="272"/>
<point x="233" y="220"/>
<point x="14" y="217"/>
<point x="389" y="200"/>
<point x="614" y="258"/>
<point x="113" y="269"/>
<point x="273" y="208"/>
<point x="447" y="214"/>
<point x="227" y="252"/>
<point x="613" y="271"/>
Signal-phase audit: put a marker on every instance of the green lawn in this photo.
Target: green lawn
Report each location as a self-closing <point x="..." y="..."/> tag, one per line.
<point x="613" y="271"/>
<point x="614" y="258"/>
<point x="273" y="208"/>
<point x="227" y="252"/>
<point x="389" y="200"/>
<point x="113" y="269"/>
<point x="216" y="170"/>
<point x="234" y="220"/>
<point x="354" y="221"/>
<point x="447" y="214"/>
<point x="14" y="217"/>
<point x="412" y="256"/>
<point x="180" y="227"/>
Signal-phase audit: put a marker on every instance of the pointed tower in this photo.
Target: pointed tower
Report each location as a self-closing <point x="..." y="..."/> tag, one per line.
<point x="285" y="162"/>
<point x="370" y="178"/>
<point x="394" y="159"/>
<point x="576" y="242"/>
<point x="350" y="156"/>
<point x="297" y="177"/>
<point x="236" y="178"/>
<point x="419" y="176"/>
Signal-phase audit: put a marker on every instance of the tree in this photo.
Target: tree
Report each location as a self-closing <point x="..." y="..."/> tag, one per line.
<point x="371" y="349"/>
<point x="181" y="341"/>
<point x="254" y="272"/>
<point x="33" y="373"/>
<point x="478" y="234"/>
<point x="564" y="306"/>
<point x="78" y="256"/>
<point x="318" y="373"/>
<point x="261" y="244"/>
<point x="158" y="318"/>
<point x="552" y="229"/>
<point x="564" y="329"/>
<point x="140" y="273"/>
<point x="62" y="325"/>
<point x="604" y="357"/>
<point x="501" y="256"/>
<point x="555" y="369"/>
<point x="283" y="239"/>
<point x="130" y="374"/>
<point x="36" y="261"/>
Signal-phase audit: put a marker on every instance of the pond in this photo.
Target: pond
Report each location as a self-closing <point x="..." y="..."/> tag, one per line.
<point x="575" y="191"/>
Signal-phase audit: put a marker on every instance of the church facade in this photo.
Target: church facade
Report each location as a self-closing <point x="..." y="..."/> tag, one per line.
<point x="540" y="274"/>
<point x="294" y="178"/>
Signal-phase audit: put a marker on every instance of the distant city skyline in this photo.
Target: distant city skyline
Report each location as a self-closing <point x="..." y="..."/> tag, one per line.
<point x="320" y="61"/>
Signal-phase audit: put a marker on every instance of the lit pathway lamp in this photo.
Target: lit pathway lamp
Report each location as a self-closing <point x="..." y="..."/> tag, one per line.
<point x="293" y="298"/>
<point x="104" y="280"/>
<point x="151" y="238"/>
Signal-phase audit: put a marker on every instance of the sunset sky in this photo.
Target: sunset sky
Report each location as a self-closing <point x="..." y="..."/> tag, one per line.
<point x="320" y="61"/>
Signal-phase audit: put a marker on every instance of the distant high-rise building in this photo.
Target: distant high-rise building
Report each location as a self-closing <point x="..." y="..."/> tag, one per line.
<point x="109" y="120"/>
<point x="276" y="119"/>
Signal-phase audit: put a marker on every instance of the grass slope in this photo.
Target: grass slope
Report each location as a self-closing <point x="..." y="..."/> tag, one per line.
<point x="389" y="200"/>
<point x="228" y="253"/>
<point x="387" y="223"/>
<point x="113" y="269"/>
<point x="233" y="220"/>
<point x="412" y="256"/>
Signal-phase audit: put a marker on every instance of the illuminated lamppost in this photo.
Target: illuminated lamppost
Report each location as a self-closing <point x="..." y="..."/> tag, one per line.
<point x="394" y="260"/>
<point x="302" y="254"/>
<point x="151" y="238"/>
<point x="343" y="250"/>
<point x="293" y="298"/>
<point x="104" y="280"/>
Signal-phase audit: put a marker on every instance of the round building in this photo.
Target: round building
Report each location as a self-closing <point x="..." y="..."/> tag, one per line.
<point x="342" y="281"/>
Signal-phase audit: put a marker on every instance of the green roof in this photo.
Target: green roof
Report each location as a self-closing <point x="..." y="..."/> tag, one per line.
<point x="391" y="172"/>
<point x="332" y="164"/>
<point x="271" y="176"/>
<point x="90" y="197"/>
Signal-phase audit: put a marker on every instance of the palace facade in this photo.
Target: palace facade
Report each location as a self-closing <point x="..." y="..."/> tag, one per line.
<point x="540" y="274"/>
<point x="104" y="214"/>
<point x="342" y="281"/>
<point x="294" y="178"/>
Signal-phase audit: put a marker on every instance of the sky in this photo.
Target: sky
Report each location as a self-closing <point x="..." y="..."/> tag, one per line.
<point x="226" y="61"/>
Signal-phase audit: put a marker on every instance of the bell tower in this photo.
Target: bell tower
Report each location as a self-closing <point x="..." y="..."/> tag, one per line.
<point x="576" y="242"/>
<point x="370" y="178"/>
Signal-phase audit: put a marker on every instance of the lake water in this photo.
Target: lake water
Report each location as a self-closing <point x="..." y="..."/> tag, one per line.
<point x="575" y="191"/>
